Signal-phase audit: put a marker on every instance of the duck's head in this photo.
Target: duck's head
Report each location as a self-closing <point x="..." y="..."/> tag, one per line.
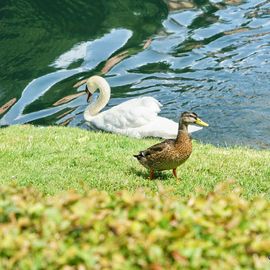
<point x="188" y="118"/>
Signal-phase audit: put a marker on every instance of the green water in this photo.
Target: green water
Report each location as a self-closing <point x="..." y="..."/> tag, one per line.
<point x="209" y="57"/>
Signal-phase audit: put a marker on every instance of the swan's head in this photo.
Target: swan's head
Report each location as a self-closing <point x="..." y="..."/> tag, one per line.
<point x="90" y="88"/>
<point x="94" y="83"/>
<point x="192" y="118"/>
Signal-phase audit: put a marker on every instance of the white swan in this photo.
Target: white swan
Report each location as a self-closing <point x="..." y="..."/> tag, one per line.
<point x="137" y="117"/>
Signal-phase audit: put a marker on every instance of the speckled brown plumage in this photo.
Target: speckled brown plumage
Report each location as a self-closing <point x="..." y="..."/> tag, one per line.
<point x="170" y="154"/>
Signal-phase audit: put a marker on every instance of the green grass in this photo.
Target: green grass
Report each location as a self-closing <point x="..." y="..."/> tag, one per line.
<point x="54" y="159"/>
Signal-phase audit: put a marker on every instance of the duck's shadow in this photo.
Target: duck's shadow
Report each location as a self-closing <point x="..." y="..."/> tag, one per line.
<point x="145" y="174"/>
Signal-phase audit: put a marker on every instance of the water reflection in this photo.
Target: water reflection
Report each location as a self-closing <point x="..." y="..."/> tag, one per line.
<point x="91" y="54"/>
<point x="210" y="57"/>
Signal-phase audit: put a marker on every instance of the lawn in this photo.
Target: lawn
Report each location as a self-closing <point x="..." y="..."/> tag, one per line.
<point x="55" y="159"/>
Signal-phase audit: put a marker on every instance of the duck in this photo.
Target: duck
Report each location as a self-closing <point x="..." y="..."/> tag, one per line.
<point x="171" y="153"/>
<point x="137" y="117"/>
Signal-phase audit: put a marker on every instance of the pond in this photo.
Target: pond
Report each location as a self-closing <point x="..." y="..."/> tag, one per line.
<point x="211" y="57"/>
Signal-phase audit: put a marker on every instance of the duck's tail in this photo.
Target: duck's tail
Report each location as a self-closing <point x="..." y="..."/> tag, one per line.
<point x="140" y="155"/>
<point x="137" y="156"/>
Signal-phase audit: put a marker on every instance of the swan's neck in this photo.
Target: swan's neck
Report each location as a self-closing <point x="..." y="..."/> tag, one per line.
<point x="104" y="96"/>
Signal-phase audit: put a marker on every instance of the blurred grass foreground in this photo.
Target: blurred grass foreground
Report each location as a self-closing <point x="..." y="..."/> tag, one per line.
<point x="98" y="230"/>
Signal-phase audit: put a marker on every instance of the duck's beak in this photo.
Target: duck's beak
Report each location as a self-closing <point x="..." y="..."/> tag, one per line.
<point x="89" y="94"/>
<point x="201" y="123"/>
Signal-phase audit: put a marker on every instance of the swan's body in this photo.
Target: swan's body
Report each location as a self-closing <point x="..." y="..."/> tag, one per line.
<point x="137" y="117"/>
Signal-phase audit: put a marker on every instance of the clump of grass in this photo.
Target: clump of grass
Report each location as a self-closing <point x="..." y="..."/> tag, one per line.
<point x="100" y="230"/>
<point x="54" y="159"/>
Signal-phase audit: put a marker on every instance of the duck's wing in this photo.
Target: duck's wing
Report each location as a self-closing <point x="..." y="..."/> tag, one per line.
<point x="133" y="113"/>
<point x="158" y="148"/>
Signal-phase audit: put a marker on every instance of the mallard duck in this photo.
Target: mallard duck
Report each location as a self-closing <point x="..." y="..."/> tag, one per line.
<point x="170" y="154"/>
<point x="136" y="117"/>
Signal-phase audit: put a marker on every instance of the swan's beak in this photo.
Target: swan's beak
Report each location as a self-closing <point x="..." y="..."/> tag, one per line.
<point x="201" y="123"/>
<point x="89" y="94"/>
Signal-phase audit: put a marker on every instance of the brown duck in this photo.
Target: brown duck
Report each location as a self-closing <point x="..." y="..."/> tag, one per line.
<point x="170" y="154"/>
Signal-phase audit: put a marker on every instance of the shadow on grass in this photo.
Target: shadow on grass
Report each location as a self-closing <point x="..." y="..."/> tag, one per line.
<point x="145" y="174"/>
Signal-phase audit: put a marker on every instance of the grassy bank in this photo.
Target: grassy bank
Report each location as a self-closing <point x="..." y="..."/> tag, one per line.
<point x="54" y="159"/>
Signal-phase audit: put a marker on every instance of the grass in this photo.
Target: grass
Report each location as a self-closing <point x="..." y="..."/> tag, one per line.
<point x="54" y="159"/>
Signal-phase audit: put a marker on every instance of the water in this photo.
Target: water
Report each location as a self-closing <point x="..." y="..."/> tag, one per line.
<point x="208" y="57"/>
